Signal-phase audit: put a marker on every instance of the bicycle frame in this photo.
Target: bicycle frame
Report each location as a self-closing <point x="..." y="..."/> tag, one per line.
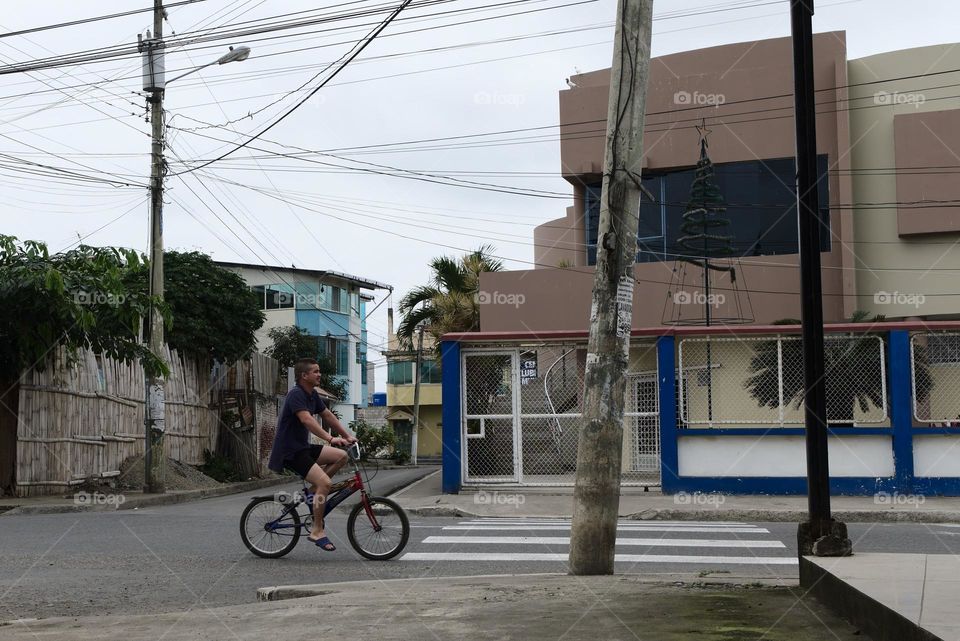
<point x="354" y="485"/>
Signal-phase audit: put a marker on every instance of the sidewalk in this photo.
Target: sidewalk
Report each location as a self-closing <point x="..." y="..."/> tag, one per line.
<point x="528" y="607"/>
<point x="133" y="500"/>
<point x="130" y="501"/>
<point x="424" y="498"/>
<point x="895" y="597"/>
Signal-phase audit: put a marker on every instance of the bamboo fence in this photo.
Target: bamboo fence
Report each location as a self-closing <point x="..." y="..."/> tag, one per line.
<point x="79" y="421"/>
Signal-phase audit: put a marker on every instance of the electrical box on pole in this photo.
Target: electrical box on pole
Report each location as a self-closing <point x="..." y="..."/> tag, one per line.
<point x="154" y="73"/>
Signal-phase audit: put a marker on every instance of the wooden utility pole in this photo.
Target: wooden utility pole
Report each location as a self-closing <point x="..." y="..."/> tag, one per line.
<point x="154" y="458"/>
<point x="596" y="496"/>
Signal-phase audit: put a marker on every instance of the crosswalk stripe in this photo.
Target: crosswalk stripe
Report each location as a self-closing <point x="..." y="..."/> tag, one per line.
<point x="536" y="521"/>
<point x="491" y="527"/>
<point x="563" y="540"/>
<point x="619" y="558"/>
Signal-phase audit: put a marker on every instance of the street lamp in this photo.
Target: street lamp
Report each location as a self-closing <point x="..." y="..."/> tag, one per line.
<point x="153" y="82"/>
<point x="236" y="54"/>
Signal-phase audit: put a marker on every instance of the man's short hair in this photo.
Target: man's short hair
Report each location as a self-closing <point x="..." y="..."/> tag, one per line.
<point x="301" y="367"/>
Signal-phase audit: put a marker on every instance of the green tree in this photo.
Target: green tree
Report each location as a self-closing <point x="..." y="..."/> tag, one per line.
<point x="293" y="343"/>
<point x="214" y="313"/>
<point x="450" y="302"/>
<point x="850" y="382"/>
<point x="77" y="299"/>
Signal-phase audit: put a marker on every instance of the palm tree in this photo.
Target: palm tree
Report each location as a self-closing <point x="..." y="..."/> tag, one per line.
<point x="449" y="302"/>
<point x="850" y="382"/>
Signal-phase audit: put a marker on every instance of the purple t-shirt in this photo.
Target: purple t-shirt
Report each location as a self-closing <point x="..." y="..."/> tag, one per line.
<point x="292" y="435"/>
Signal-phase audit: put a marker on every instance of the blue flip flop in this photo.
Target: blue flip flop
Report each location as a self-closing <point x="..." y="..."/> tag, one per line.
<point x="323" y="543"/>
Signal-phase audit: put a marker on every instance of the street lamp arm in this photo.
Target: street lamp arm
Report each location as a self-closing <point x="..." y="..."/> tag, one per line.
<point x="236" y="54"/>
<point x="194" y="70"/>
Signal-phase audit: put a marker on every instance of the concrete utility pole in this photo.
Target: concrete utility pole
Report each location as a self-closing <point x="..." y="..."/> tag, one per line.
<point x="596" y="495"/>
<point x="154" y="458"/>
<point x="820" y="535"/>
<point x="416" y="399"/>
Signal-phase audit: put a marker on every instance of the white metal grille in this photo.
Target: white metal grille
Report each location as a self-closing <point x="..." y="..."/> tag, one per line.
<point x="523" y="415"/>
<point x="935" y="378"/>
<point x="489" y="416"/>
<point x="642" y="462"/>
<point x="759" y="380"/>
<point x="551" y="401"/>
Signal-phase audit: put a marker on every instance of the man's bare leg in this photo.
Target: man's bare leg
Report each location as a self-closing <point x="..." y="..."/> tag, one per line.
<point x="328" y="463"/>
<point x="337" y="459"/>
<point x="320" y="484"/>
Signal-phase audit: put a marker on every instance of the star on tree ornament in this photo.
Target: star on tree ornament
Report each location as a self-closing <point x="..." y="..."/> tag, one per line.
<point x="703" y="132"/>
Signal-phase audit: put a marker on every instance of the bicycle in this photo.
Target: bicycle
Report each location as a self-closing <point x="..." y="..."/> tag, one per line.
<point x="377" y="527"/>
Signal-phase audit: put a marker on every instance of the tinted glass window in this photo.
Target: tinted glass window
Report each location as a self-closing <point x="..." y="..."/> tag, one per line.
<point x="760" y="201"/>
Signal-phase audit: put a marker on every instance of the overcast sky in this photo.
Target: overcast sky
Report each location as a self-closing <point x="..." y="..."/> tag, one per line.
<point x="491" y="75"/>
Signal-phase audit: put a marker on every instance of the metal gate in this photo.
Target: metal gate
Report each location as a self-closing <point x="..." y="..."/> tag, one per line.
<point x="522" y="416"/>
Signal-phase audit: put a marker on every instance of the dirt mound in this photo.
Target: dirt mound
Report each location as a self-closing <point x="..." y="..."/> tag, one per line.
<point x="177" y="476"/>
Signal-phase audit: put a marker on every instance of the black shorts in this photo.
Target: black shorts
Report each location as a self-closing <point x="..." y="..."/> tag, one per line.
<point x="302" y="460"/>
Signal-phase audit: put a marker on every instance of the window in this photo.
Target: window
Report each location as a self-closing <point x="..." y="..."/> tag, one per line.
<point x="429" y="372"/>
<point x="279" y="297"/>
<point x="760" y="199"/>
<point x="274" y="296"/>
<point x="334" y="299"/>
<point x="259" y="291"/>
<point x="337" y="351"/>
<point x="343" y="358"/>
<point x="400" y="373"/>
<point x="355" y="304"/>
<point x="591" y="205"/>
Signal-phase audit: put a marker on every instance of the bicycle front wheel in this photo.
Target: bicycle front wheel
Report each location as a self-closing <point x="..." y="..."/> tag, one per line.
<point x="270" y="528"/>
<point x="380" y="532"/>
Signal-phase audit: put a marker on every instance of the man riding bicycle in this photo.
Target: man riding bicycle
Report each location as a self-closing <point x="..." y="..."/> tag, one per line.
<point x="316" y="464"/>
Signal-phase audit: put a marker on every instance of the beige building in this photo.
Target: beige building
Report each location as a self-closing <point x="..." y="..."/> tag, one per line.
<point x="888" y="152"/>
<point x="426" y="436"/>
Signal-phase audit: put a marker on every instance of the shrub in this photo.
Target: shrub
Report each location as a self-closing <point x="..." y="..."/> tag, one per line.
<point x="374" y="442"/>
<point x="219" y="467"/>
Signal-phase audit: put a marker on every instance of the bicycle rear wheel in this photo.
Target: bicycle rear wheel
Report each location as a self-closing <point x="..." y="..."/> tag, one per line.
<point x="270" y="528"/>
<point x="380" y="533"/>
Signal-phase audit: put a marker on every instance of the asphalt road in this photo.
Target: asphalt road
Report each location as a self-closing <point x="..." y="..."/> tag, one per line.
<point x="190" y="556"/>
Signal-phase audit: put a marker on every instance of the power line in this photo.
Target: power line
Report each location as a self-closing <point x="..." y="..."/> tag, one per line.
<point x="335" y="72"/>
<point x="433" y="242"/>
<point x="110" y="16"/>
<point x="485" y="234"/>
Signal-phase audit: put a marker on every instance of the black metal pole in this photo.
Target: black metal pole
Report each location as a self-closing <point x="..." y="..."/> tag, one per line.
<point x="815" y="398"/>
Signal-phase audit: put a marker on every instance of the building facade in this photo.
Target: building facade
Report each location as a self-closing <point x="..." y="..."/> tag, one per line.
<point x="888" y="196"/>
<point x="326" y="304"/>
<point x="718" y="409"/>
<point x="423" y="436"/>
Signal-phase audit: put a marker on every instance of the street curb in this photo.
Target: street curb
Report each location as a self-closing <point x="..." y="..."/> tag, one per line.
<point x="755" y="515"/>
<point x="795" y="516"/>
<point x="286" y="592"/>
<point x="164" y="499"/>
